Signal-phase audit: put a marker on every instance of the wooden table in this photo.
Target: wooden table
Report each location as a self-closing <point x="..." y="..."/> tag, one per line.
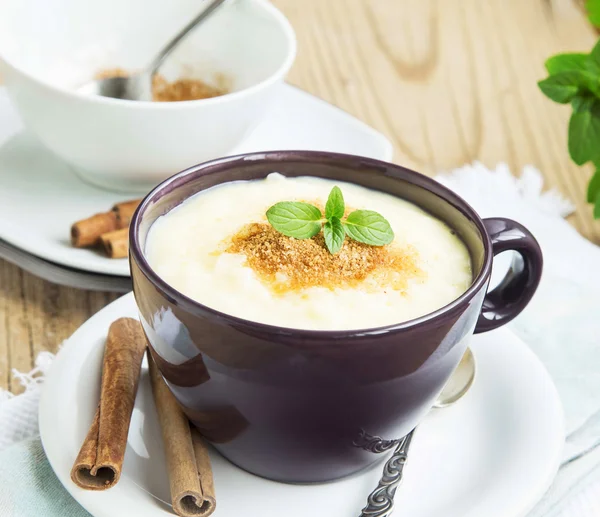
<point x="448" y="81"/>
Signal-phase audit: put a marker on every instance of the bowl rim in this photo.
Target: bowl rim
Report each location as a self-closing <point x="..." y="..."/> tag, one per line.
<point x="137" y="257"/>
<point x="281" y="71"/>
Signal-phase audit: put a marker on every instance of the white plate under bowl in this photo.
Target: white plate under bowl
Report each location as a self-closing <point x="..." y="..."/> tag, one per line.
<point x="493" y="454"/>
<point x="40" y="195"/>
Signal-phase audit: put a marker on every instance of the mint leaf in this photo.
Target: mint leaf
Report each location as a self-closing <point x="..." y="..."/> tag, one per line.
<point x="566" y="62"/>
<point x="593" y="9"/>
<point x="334" y="234"/>
<point x="563" y="86"/>
<point x="593" y="189"/>
<point x="594" y="61"/>
<point x="597" y="208"/>
<point x="295" y="219"/>
<point x="582" y="102"/>
<point x="559" y="88"/>
<point x="369" y="227"/>
<point x="584" y="131"/>
<point x="335" y="204"/>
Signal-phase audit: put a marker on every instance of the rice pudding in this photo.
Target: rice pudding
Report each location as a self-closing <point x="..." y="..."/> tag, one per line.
<point x="218" y="248"/>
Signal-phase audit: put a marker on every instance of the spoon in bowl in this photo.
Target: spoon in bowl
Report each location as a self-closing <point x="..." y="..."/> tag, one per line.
<point x="138" y="85"/>
<point x="380" y="502"/>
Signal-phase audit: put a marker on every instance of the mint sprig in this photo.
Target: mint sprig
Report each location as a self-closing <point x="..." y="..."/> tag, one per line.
<point x="303" y="221"/>
<point x="575" y="78"/>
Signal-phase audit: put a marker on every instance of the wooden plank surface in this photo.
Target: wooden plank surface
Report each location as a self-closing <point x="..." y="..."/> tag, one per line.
<point x="448" y="81"/>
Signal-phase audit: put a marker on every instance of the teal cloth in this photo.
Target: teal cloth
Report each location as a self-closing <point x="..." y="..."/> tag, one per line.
<point x="29" y="487"/>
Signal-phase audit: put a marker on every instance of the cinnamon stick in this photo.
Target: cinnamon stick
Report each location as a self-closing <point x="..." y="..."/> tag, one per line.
<point x="124" y="212"/>
<point x="86" y="232"/>
<point x="100" y="459"/>
<point x="188" y="463"/>
<point x="116" y="243"/>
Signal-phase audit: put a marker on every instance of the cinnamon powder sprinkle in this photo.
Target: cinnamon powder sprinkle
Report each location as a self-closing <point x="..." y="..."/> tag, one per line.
<point x="288" y="264"/>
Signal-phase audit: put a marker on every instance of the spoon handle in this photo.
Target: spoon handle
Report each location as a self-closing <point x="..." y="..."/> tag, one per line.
<point x="168" y="48"/>
<point x="380" y="502"/>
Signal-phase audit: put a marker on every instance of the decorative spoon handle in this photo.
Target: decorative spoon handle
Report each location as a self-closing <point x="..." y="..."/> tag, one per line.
<point x="380" y="502"/>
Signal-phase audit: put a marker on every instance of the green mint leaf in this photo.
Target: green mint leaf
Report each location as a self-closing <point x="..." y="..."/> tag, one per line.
<point x="563" y="86"/>
<point x="559" y="88"/>
<point x="593" y="62"/>
<point x="566" y="62"/>
<point x="334" y="234"/>
<point x="335" y="204"/>
<point x="593" y="190"/>
<point x="593" y="9"/>
<point x="584" y="131"/>
<point x="295" y="219"/>
<point x="369" y="227"/>
<point x="582" y="102"/>
<point x="597" y="208"/>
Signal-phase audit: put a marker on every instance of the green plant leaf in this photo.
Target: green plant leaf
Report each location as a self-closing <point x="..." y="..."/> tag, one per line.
<point x="369" y="227"/>
<point x="597" y="207"/>
<point x="563" y="86"/>
<point x="593" y="189"/>
<point x="582" y="102"/>
<point x="335" y="205"/>
<point x="593" y="9"/>
<point x="593" y="62"/>
<point x="295" y="219"/>
<point x="584" y="131"/>
<point x="334" y="234"/>
<point x="566" y="62"/>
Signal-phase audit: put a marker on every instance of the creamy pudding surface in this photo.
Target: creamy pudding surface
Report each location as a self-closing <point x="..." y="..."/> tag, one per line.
<point x="218" y="248"/>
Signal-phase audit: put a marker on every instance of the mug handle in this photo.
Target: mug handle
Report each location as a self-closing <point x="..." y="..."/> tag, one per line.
<point x="515" y="290"/>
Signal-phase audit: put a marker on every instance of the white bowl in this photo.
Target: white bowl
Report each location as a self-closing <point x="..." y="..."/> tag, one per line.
<point x="49" y="48"/>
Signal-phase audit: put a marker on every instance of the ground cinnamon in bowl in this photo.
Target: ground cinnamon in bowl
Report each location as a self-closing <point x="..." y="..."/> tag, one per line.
<point x="183" y="90"/>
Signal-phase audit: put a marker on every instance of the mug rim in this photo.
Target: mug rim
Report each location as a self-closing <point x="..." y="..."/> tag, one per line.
<point x="221" y="165"/>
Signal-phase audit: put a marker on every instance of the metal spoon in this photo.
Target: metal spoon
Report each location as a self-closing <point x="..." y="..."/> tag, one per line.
<point x="138" y="86"/>
<point x="380" y="502"/>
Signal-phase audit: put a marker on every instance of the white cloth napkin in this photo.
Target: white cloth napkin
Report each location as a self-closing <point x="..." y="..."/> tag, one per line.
<point x="561" y="325"/>
<point x="19" y="415"/>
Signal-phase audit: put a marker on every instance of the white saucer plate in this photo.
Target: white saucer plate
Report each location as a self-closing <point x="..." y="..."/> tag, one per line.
<point x="40" y="195"/>
<point x="493" y="454"/>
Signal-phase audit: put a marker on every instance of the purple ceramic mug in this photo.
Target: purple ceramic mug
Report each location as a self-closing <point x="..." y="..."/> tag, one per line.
<point x="305" y="405"/>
